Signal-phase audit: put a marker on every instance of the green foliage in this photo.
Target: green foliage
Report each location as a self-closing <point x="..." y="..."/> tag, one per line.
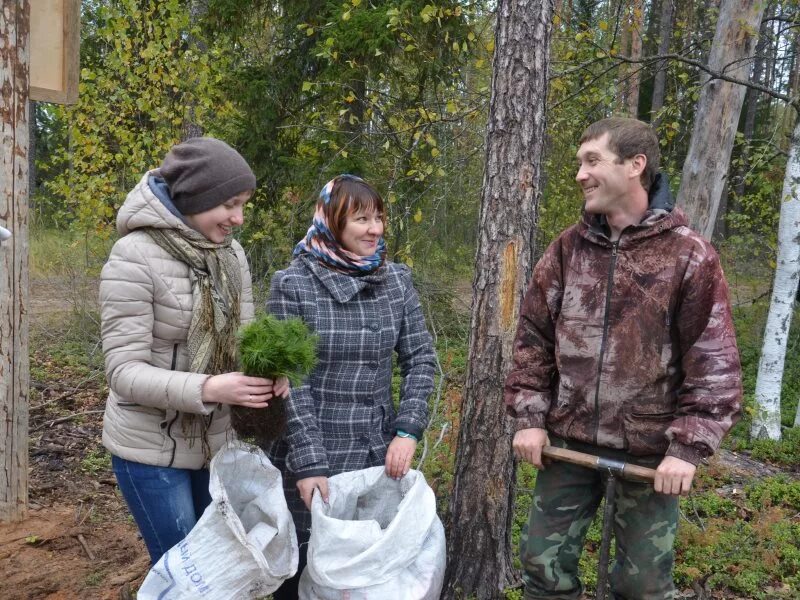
<point x="270" y="347"/>
<point x="778" y="492"/>
<point x="140" y="82"/>
<point x="785" y="451"/>
<point x="748" y="545"/>
<point x="378" y="89"/>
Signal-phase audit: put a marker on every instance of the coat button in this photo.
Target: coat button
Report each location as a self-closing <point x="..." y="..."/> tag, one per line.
<point x="373" y="364"/>
<point x="364" y="439"/>
<point x="374" y="326"/>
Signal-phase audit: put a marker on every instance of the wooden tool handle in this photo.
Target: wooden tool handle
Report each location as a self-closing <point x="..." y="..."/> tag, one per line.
<point x="633" y="472"/>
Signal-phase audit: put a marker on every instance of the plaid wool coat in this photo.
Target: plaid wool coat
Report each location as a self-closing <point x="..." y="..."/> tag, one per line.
<point x="343" y="416"/>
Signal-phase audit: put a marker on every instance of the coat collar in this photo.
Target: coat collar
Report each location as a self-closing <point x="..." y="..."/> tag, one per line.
<point x="342" y="287"/>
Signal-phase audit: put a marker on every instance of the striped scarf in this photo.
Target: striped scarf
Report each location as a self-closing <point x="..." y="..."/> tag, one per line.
<point x="320" y="242"/>
<point x="216" y="291"/>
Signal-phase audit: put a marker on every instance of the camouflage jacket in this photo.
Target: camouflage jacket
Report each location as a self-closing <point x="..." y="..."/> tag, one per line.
<point x="629" y="344"/>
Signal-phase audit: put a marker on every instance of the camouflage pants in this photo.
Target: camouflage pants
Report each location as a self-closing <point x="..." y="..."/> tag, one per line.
<point x="565" y="500"/>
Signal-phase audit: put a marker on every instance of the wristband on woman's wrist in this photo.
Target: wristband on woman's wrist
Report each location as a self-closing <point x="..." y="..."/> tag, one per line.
<point x="405" y="434"/>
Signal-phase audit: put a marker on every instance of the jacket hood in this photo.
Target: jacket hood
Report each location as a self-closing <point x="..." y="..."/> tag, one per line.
<point x="660" y="197"/>
<point x="149" y="205"/>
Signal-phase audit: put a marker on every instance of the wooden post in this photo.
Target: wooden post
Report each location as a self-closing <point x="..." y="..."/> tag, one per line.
<point x="14" y="107"/>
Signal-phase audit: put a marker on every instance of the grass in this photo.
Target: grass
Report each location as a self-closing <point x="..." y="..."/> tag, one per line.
<point x="58" y="252"/>
<point x="97" y="461"/>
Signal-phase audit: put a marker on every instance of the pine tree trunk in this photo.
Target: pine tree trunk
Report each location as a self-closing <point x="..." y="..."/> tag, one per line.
<point x="197" y="10"/>
<point x="767" y="418"/>
<point x="660" y="82"/>
<point x="706" y="167"/>
<point x="479" y="548"/>
<point x="633" y="76"/>
<point x="751" y="99"/>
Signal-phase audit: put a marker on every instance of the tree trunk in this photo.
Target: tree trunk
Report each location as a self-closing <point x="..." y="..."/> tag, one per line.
<point x="751" y="104"/>
<point x="767" y="417"/>
<point x="631" y="75"/>
<point x="718" y="109"/>
<point x="660" y="82"/>
<point x="14" y="117"/>
<point x="479" y="548"/>
<point x="197" y="10"/>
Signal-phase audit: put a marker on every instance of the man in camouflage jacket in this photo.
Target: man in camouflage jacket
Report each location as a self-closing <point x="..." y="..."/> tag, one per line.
<point x="626" y="349"/>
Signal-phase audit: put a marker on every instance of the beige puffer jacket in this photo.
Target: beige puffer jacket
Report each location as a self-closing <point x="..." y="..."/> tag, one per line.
<point x="145" y="309"/>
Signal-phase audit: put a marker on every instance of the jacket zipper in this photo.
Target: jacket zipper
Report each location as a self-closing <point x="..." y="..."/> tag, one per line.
<point x="609" y="284"/>
<point x="177" y="414"/>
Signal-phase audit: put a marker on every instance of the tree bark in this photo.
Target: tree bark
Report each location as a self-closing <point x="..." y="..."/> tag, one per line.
<point x="718" y="109"/>
<point x="191" y="128"/>
<point x="751" y="104"/>
<point x="660" y="82"/>
<point x="479" y="548"/>
<point x="767" y="417"/>
<point x="14" y="117"/>
<point x="631" y="75"/>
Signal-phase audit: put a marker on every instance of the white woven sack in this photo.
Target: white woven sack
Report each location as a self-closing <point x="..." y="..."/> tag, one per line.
<point x="244" y="546"/>
<point x="376" y="538"/>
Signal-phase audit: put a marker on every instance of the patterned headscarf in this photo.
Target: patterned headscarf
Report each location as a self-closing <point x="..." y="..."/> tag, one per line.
<point x="323" y="245"/>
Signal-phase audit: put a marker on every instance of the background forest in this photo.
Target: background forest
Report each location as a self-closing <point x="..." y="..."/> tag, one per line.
<point x="398" y="91"/>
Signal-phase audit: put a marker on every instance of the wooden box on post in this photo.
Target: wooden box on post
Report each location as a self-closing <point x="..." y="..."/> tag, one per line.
<point x="55" y="50"/>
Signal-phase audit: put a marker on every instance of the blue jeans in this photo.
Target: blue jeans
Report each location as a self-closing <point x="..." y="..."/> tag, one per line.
<point x="165" y="502"/>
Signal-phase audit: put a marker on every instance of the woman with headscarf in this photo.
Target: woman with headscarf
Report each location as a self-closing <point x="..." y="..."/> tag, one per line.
<point x="364" y="309"/>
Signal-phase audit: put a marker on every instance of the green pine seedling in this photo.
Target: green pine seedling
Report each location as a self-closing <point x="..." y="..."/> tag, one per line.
<point x="270" y="347"/>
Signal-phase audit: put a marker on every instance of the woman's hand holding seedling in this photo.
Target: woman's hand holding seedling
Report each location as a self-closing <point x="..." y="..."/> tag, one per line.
<point x="242" y="390"/>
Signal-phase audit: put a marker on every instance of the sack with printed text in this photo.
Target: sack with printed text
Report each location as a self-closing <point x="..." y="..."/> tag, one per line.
<point x="244" y="546"/>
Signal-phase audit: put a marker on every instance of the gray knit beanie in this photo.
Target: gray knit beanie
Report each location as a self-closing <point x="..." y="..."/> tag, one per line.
<point x="204" y="172"/>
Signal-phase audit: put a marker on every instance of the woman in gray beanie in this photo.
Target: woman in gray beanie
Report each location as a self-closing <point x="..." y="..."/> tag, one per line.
<point x="172" y="296"/>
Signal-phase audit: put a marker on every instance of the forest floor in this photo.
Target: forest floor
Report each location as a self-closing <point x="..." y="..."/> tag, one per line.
<point x="78" y="540"/>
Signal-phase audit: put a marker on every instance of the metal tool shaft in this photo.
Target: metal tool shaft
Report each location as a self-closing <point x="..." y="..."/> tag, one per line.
<point x="605" y="540"/>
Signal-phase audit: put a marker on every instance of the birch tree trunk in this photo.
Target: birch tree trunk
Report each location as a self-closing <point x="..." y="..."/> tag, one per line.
<point x="14" y="116"/>
<point x="705" y="170"/>
<point x="767" y="418"/>
<point x="479" y="548"/>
